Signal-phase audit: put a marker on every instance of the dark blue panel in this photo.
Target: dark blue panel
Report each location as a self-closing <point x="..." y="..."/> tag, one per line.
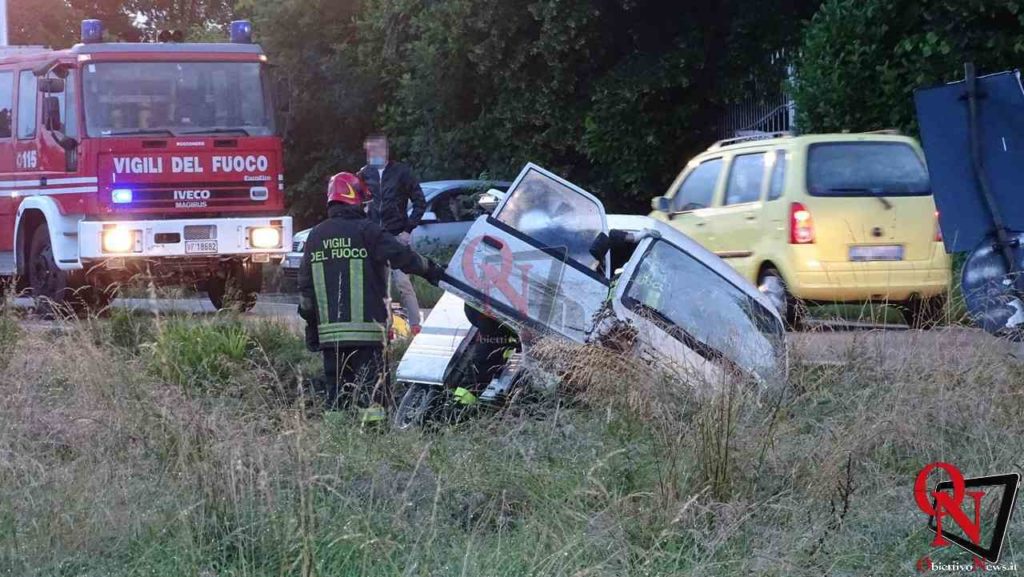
<point x="942" y="114"/>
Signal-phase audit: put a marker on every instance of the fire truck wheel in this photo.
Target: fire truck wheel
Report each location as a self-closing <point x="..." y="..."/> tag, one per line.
<point x="237" y="289"/>
<point x="59" y="292"/>
<point x="49" y="284"/>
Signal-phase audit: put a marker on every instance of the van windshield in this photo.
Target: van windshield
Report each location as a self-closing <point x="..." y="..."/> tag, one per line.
<point x="175" y="98"/>
<point x="866" y="169"/>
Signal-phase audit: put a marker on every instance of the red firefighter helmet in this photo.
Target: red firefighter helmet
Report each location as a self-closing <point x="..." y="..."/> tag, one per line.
<point x="347" y="188"/>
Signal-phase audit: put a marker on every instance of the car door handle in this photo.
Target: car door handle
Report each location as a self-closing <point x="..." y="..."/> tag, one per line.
<point x="493" y="242"/>
<point x="699" y="223"/>
<point x="751" y="217"/>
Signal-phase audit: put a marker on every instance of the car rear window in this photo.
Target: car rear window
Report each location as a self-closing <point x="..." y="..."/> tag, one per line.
<point x="866" y="169"/>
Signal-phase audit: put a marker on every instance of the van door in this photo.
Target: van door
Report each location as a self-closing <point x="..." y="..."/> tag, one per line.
<point x="870" y="201"/>
<point x="737" y="224"/>
<point x="529" y="264"/>
<point x="691" y="199"/>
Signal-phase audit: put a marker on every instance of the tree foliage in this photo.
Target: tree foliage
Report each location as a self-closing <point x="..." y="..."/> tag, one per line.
<point x="614" y="94"/>
<point x="56" y="22"/>
<point x="331" y="100"/>
<point x="43" y="22"/>
<point x="862" y="59"/>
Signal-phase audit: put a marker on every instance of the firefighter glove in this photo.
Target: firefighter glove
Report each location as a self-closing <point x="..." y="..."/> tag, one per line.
<point x="435" y="272"/>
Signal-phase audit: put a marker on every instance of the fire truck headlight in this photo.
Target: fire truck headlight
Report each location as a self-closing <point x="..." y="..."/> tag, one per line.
<point x="118" y="240"/>
<point x="265" y="237"/>
<point x="121" y="195"/>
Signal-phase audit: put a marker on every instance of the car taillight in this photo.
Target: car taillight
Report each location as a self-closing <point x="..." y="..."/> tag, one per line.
<point x="938" y="229"/>
<point x="801" y="225"/>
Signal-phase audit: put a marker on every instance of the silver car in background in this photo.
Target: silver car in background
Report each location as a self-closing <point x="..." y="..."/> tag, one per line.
<point x="452" y="207"/>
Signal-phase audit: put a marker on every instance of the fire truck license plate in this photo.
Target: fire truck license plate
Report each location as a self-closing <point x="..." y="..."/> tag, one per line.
<point x="200" y="246"/>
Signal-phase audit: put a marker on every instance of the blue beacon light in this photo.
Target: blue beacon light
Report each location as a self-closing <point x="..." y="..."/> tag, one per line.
<point x="92" y="31"/>
<point x="121" y="195"/>
<point x="241" y="32"/>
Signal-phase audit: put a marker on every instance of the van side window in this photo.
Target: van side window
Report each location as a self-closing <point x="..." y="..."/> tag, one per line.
<point x="6" y="103"/>
<point x="698" y="188"/>
<point x="27" y="93"/>
<point x="746" y="179"/>
<point x="778" y="176"/>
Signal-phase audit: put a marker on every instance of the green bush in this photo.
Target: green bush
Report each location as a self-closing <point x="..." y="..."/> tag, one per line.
<point x="199" y="355"/>
<point x="128" y="330"/>
<point x="862" y="59"/>
<point x="277" y="348"/>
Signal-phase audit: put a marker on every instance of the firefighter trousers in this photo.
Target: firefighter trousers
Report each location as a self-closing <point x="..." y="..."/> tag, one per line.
<point x="355" y="375"/>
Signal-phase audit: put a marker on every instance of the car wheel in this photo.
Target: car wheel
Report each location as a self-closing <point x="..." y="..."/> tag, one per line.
<point x="772" y="285"/>
<point x="924" y="313"/>
<point x="417" y="407"/>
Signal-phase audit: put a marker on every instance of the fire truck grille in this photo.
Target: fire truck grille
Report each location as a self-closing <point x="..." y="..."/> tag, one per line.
<point x="196" y="196"/>
<point x="200" y="232"/>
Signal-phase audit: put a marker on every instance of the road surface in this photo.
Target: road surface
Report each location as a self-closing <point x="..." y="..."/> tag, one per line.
<point x="271" y="306"/>
<point x="825" y="342"/>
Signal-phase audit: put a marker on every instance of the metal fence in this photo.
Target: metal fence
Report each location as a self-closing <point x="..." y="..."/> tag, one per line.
<point x="756" y="115"/>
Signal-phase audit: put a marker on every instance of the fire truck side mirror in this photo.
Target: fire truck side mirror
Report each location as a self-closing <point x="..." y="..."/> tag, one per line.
<point x="51" y="85"/>
<point x="51" y="114"/>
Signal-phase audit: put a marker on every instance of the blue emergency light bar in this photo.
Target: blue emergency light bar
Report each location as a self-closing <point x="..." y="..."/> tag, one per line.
<point x="92" y="31"/>
<point x="241" y="32"/>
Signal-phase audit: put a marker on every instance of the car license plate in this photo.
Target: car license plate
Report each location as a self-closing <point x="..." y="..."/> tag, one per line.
<point x="876" y="252"/>
<point x="200" y="246"/>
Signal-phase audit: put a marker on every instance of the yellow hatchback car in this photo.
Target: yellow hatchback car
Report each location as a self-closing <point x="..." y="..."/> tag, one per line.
<point x="822" y="218"/>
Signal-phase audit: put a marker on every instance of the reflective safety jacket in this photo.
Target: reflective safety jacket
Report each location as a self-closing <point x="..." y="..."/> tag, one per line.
<point x="343" y="278"/>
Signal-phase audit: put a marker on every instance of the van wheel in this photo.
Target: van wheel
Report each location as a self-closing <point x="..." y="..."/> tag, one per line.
<point x="772" y="285"/>
<point x="923" y="313"/>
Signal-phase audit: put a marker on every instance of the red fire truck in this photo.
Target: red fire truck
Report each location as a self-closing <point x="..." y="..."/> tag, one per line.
<point x="153" y="160"/>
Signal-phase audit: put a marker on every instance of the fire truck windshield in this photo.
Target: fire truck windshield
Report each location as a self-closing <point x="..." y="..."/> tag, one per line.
<point x="175" y="98"/>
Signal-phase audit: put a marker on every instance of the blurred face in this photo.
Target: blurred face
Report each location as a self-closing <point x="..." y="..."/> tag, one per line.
<point x="376" y="151"/>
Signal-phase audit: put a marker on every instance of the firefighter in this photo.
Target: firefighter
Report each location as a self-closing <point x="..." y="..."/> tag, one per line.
<point x="342" y="290"/>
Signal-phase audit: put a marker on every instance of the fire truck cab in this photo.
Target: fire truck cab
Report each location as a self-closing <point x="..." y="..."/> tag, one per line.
<point x="127" y="160"/>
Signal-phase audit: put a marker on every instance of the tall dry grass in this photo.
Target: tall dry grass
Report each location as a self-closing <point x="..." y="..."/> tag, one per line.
<point x="110" y="465"/>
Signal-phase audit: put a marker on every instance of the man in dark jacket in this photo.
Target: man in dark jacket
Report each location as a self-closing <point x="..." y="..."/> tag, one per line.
<point x="394" y="188"/>
<point x="342" y="287"/>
